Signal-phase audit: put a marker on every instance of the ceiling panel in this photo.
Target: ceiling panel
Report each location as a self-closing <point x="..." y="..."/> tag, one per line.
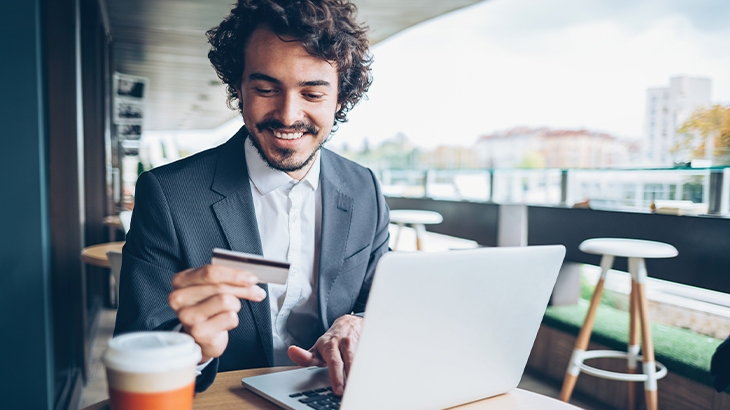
<point x="164" y="41"/>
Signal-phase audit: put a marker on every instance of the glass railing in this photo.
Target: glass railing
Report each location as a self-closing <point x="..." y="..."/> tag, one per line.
<point x="677" y="190"/>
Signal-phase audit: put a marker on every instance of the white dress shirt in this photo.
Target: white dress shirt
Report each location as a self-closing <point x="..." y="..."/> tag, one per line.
<point x="289" y="217"/>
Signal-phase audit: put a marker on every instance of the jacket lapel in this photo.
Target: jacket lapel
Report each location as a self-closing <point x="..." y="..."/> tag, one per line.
<point x="237" y="218"/>
<point x="336" y="221"/>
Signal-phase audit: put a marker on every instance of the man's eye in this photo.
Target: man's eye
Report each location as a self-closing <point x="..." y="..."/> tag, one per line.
<point x="264" y="91"/>
<point x="314" y="96"/>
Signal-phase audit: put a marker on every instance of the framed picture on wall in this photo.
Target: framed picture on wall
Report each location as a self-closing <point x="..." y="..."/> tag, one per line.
<point x="128" y="112"/>
<point x="129" y="132"/>
<point x="129" y="86"/>
<point x="129" y="97"/>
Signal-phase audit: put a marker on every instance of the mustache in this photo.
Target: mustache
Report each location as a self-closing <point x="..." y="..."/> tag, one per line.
<point x="299" y="126"/>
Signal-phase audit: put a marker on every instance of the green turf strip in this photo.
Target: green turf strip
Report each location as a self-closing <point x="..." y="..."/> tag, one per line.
<point x="683" y="352"/>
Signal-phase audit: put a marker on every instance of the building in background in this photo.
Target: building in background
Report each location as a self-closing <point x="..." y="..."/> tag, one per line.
<point x="666" y="109"/>
<point x="524" y="147"/>
<point x="451" y="157"/>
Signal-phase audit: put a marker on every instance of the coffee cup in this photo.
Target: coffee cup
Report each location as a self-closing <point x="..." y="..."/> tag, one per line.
<point x="151" y="370"/>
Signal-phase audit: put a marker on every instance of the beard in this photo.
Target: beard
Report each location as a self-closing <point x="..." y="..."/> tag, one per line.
<point x="284" y="160"/>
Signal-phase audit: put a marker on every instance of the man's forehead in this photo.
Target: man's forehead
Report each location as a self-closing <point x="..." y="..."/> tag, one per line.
<point x="264" y="43"/>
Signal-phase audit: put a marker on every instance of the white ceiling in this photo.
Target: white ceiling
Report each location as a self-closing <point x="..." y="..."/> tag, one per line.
<point x="164" y="41"/>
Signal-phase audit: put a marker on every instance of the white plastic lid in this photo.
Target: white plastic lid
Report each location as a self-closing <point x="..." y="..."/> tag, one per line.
<point x="152" y="352"/>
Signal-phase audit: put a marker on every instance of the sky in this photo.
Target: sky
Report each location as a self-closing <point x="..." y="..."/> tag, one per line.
<point x="558" y="63"/>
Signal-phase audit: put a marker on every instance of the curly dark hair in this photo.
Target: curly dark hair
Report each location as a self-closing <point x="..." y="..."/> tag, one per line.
<point x="326" y="28"/>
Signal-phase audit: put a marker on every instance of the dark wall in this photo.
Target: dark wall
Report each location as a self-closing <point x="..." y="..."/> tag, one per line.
<point x="95" y="81"/>
<point x="703" y="242"/>
<point x="62" y="51"/>
<point x="47" y="100"/>
<point x="470" y="220"/>
<point x="26" y="347"/>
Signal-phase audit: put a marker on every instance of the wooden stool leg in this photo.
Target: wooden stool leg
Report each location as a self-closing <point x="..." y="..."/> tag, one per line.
<point x="650" y="386"/>
<point x="633" y="349"/>
<point x="581" y="344"/>
<point x="420" y="233"/>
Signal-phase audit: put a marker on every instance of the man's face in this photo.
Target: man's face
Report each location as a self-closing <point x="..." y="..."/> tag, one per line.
<point x="289" y="101"/>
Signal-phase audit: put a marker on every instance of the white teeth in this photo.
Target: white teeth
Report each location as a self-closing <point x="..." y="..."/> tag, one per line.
<point x="288" y="136"/>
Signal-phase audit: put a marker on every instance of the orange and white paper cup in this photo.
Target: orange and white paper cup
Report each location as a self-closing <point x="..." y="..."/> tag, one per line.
<point x="151" y="370"/>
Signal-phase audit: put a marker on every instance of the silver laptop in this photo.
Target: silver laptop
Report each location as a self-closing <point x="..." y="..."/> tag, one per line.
<point x="440" y="330"/>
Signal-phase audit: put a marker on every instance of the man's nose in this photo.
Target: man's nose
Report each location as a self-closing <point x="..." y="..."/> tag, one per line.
<point x="290" y="109"/>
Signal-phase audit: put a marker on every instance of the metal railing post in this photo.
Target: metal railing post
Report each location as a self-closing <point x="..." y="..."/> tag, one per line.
<point x="725" y="197"/>
<point x="564" y="187"/>
<point x="715" y="194"/>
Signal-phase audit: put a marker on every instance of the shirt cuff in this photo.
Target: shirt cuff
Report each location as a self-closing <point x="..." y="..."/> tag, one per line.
<point x="199" y="368"/>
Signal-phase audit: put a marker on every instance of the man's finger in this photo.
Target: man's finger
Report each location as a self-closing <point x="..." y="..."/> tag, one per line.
<point x="213" y="274"/>
<point x="218" y="303"/>
<point x="221" y="322"/>
<point x="194" y="295"/>
<point x="212" y="334"/>
<point x="304" y="358"/>
<point x="347" y="351"/>
<point x="330" y="352"/>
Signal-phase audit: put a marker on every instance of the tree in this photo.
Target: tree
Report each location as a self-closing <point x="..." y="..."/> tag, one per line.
<point x="706" y="134"/>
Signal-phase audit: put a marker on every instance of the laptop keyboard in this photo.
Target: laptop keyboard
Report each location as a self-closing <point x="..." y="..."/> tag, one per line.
<point x="319" y="399"/>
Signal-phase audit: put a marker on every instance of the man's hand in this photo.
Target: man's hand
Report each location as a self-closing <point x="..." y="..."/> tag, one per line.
<point x="206" y="301"/>
<point x="335" y="349"/>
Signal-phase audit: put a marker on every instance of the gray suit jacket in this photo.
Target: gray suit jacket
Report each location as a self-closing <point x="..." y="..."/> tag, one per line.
<point x="185" y="209"/>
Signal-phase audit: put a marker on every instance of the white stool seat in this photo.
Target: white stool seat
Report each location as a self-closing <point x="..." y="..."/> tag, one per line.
<point x="412" y="216"/>
<point x="416" y="218"/>
<point x="629" y="248"/>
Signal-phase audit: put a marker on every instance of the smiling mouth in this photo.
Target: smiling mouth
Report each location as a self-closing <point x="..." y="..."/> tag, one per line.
<point x="287" y="135"/>
<point x="290" y="132"/>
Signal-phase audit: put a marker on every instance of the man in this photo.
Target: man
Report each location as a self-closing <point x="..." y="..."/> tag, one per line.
<point x="720" y="367"/>
<point x="295" y="68"/>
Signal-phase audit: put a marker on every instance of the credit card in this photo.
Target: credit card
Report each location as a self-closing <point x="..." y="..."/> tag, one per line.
<point x="267" y="270"/>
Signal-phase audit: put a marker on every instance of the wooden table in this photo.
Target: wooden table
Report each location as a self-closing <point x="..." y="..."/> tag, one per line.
<point x="96" y="254"/>
<point x="228" y="393"/>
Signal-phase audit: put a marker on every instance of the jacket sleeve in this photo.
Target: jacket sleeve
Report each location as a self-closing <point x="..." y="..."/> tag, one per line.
<point x="150" y="258"/>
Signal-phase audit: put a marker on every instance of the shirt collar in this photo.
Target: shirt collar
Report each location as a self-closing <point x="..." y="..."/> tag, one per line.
<point x="266" y="179"/>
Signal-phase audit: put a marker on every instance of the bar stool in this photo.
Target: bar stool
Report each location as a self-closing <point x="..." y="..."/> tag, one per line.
<point x="636" y="251"/>
<point x="416" y="218"/>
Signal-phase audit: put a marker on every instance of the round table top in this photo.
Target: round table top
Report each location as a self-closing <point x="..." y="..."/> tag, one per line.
<point x="413" y="216"/>
<point x="96" y="254"/>
<point x="629" y="248"/>
<point x="227" y="392"/>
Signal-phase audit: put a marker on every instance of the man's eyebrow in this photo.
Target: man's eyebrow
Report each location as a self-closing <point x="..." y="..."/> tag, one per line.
<point x="267" y="78"/>
<point x="315" y="83"/>
<point x="263" y="77"/>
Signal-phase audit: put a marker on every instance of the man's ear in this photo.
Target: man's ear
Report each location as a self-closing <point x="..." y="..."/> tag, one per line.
<point x="239" y="96"/>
